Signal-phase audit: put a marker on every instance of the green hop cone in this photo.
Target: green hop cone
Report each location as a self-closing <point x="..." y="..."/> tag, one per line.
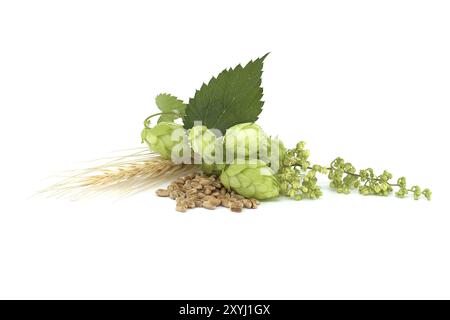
<point x="253" y="179"/>
<point x="203" y="142"/>
<point x="206" y="145"/>
<point x="246" y="141"/>
<point x="163" y="137"/>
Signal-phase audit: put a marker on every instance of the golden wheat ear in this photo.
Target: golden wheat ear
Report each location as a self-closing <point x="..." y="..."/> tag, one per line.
<point x="122" y="175"/>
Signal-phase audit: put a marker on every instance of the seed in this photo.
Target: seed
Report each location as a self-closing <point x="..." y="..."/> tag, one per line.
<point x="215" y="201"/>
<point x="212" y="199"/>
<point x="236" y="206"/>
<point x="190" y="204"/>
<point x="200" y="195"/>
<point x="208" y="205"/>
<point x="247" y="203"/>
<point x="162" y="193"/>
<point x="198" y="203"/>
<point x="254" y="203"/>
<point x="202" y="191"/>
<point x="181" y="195"/>
<point x="187" y="185"/>
<point x="225" y="202"/>
<point x="191" y="191"/>
<point x="237" y="197"/>
<point x="210" y="188"/>
<point x="196" y="185"/>
<point x="173" y="195"/>
<point x="204" y="181"/>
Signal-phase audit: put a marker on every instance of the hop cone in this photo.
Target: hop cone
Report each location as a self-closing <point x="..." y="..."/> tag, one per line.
<point x="246" y="141"/>
<point x="203" y="142"/>
<point x="163" y="137"/>
<point x="253" y="179"/>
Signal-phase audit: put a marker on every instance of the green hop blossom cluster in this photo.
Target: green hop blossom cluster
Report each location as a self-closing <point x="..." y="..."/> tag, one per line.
<point x="161" y="138"/>
<point x="248" y="157"/>
<point x="205" y="145"/>
<point x="344" y="177"/>
<point x="246" y="141"/>
<point x="249" y="176"/>
<point x="253" y="179"/>
<point x="203" y="142"/>
<point x="297" y="177"/>
<point x="415" y="190"/>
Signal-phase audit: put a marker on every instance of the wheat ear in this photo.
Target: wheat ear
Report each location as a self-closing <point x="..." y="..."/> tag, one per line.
<point x="122" y="175"/>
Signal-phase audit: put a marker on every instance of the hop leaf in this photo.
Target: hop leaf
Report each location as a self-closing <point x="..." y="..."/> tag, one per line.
<point x="231" y="98"/>
<point x="169" y="104"/>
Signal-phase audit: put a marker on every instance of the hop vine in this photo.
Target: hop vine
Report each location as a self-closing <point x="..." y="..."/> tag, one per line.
<point x="298" y="178"/>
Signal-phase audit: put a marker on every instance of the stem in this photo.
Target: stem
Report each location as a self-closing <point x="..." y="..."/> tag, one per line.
<point x="147" y="120"/>
<point x="359" y="176"/>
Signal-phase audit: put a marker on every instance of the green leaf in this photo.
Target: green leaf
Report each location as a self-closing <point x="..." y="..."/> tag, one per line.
<point x="231" y="98"/>
<point x="169" y="104"/>
<point x="167" y="118"/>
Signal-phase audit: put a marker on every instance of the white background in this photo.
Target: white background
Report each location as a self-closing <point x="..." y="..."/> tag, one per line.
<point x="365" y="80"/>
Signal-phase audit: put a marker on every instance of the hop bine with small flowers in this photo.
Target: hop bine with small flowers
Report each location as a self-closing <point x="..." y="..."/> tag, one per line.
<point x="214" y="136"/>
<point x="298" y="178"/>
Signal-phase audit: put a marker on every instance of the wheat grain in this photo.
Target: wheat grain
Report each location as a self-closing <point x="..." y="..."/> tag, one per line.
<point x="121" y="175"/>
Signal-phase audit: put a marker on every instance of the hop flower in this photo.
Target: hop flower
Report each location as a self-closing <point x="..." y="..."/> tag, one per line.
<point x="253" y="179"/>
<point x="163" y="137"/>
<point x="246" y="141"/>
<point x="203" y="142"/>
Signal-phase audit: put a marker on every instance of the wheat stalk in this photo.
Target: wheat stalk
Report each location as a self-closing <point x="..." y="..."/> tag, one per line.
<point x="122" y="175"/>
